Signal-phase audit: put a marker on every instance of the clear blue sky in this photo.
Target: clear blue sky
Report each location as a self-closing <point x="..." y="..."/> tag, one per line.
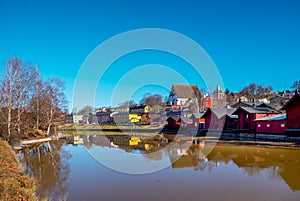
<point x="249" y="41"/>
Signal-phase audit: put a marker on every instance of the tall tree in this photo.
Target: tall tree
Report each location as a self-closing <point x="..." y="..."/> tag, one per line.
<point x="296" y="85"/>
<point x="86" y="110"/>
<point x="16" y="86"/>
<point x="53" y="100"/>
<point x="151" y="100"/>
<point x="23" y="90"/>
<point x="254" y="91"/>
<point x="124" y="106"/>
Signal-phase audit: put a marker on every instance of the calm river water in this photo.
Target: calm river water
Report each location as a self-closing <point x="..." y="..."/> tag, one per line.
<point x="115" y="169"/>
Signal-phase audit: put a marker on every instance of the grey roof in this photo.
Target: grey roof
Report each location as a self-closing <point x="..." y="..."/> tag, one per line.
<point x="250" y="104"/>
<point x="184" y="90"/>
<point x="220" y="112"/>
<point x="176" y="118"/>
<point x="258" y="110"/>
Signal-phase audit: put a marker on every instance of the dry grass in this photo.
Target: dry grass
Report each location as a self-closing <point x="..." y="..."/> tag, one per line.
<point x="14" y="185"/>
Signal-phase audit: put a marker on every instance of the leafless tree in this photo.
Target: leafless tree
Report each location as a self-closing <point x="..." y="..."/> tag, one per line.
<point x="16" y="86"/>
<point x="22" y="93"/>
<point x="151" y="100"/>
<point x="255" y="91"/>
<point x="86" y="110"/>
<point x="296" y="85"/>
<point x="53" y="100"/>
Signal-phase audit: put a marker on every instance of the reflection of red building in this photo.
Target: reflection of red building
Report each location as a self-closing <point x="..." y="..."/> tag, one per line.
<point x="292" y="108"/>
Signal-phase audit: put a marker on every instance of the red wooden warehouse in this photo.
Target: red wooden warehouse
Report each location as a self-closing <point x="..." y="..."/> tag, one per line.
<point x="274" y="124"/>
<point x="220" y="119"/>
<point x="292" y="108"/>
<point x="247" y="115"/>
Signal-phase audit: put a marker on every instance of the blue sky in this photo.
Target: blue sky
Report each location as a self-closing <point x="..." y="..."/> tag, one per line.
<point x="249" y="41"/>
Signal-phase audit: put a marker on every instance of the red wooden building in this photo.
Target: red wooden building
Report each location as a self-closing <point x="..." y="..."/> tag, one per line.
<point x="292" y="108"/>
<point x="247" y="115"/>
<point x="273" y="124"/>
<point x="220" y="119"/>
<point x="182" y="119"/>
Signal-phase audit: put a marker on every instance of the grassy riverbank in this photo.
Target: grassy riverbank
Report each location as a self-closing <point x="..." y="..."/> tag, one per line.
<point x="14" y="185"/>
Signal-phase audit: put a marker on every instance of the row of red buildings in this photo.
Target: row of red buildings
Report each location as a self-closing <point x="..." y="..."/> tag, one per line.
<point x="247" y="118"/>
<point x="257" y="119"/>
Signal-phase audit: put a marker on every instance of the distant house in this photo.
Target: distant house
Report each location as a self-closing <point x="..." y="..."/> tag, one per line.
<point x="185" y="95"/>
<point x="77" y="119"/>
<point x="89" y="119"/>
<point x="273" y="124"/>
<point x="121" y="118"/>
<point x="241" y="103"/>
<point x="292" y="108"/>
<point x="247" y="115"/>
<point x="69" y="118"/>
<point x="280" y="98"/>
<point x="222" y="119"/>
<point x="104" y="117"/>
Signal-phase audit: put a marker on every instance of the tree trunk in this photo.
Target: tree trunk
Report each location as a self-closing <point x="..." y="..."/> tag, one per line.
<point x="19" y="120"/>
<point x="9" y="109"/>
<point x="48" y="129"/>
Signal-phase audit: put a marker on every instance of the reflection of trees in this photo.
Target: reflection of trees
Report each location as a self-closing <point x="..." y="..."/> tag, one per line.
<point x="48" y="163"/>
<point x="279" y="163"/>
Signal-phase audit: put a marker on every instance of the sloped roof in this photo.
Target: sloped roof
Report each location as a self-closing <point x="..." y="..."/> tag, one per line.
<point x="219" y="112"/>
<point x="251" y="104"/>
<point x="257" y="110"/>
<point x="176" y="118"/>
<point x="290" y="102"/>
<point x="276" y="117"/>
<point x="184" y="90"/>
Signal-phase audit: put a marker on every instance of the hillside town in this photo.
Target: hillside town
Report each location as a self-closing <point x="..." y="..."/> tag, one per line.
<point x="187" y="108"/>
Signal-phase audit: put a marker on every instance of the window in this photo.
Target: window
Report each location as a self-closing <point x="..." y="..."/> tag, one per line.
<point x="282" y="125"/>
<point x="258" y="125"/>
<point x="268" y="125"/>
<point x="247" y="116"/>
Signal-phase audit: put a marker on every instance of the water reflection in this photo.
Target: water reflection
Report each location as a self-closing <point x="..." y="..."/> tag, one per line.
<point x="193" y="174"/>
<point x="281" y="162"/>
<point x="48" y="163"/>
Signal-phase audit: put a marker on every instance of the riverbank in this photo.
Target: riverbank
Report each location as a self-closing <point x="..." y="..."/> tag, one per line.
<point x="111" y="128"/>
<point x="14" y="185"/>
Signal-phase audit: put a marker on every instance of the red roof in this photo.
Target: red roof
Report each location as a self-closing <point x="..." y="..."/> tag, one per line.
<point x="291" y="101"/>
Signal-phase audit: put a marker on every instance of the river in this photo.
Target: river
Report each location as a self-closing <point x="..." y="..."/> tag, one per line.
<point x="114" y="169"/>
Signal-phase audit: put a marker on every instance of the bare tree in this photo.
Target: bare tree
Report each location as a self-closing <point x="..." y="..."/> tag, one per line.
<point x="15" y="93"/>
<point x="52" y="101"/>
<point x="86" y="110"/>
<point x="22" y="93"/>
<point x="148" y="99"/>
<point x="254" y="91"/>
<point x="126" y="105"/>
<point x="296" y="85"/>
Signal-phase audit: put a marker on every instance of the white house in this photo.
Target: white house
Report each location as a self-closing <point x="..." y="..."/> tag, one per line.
<point x="183" y="94"/>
